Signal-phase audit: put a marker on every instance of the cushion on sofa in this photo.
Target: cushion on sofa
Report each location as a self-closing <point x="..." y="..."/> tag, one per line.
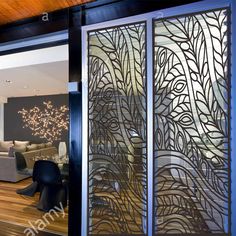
<point x="31" y="147"/>
<point x="5" y="145"/>
<point x="19" y="143"/>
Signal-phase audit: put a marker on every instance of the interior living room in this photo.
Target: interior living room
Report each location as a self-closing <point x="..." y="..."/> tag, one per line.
<point x="34" y="128"/>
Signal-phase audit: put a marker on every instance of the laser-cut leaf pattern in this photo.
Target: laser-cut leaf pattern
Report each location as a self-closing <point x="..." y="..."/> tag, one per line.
<point x="191" y="124"/>
<point x="117" y="131"/>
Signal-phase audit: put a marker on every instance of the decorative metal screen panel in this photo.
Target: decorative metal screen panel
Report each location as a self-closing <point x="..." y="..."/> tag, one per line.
<point x="117" y="175"/>
<point x="191" y="84"/>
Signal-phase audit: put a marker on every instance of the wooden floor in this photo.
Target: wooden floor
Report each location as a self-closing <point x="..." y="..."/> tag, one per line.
<point x="22" y="211"/>
<point x="7" y="229"/>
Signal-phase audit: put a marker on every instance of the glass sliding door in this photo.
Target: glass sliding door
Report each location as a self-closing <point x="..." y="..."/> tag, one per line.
<point x="117" y="169"/>
<point x="156" y="112"/>
<point x="191" y="120"/>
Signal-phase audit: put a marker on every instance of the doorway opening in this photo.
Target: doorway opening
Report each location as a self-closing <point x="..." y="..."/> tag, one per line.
<point x="34" y="128"/>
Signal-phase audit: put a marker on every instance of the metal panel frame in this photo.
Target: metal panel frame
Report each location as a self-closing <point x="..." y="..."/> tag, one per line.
<point x="85" y="135"/>
<point x="233" y="119"/>
<point x="148" y="17"/>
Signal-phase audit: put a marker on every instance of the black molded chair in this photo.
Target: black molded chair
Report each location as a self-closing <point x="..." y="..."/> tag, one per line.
<point x="32" y="188"/>
<point x="48" y="181"/>
<point x="21" y="164"/>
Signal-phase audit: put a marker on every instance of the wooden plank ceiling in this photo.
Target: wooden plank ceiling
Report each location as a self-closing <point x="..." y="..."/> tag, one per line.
<point x="13" y="10"/>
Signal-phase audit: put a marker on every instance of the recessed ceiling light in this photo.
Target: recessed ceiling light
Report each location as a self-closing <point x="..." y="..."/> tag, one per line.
<point x="25" y="87"/>
<point x="8" y="81"/>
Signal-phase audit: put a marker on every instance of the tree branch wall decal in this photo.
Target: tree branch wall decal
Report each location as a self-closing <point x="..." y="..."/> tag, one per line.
<point x="48" y="122"/>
